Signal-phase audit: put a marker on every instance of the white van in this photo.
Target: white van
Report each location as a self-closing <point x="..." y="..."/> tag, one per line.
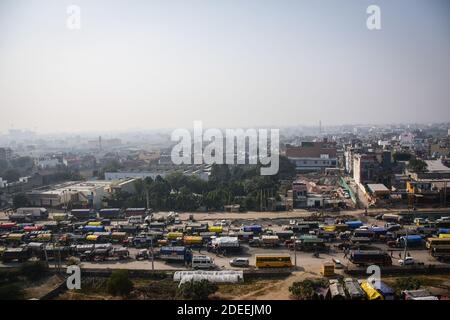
<point x="202" y="262"/>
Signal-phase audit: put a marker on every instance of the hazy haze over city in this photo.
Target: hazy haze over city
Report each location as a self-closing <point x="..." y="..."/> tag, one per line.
<point x="163" y="64"/>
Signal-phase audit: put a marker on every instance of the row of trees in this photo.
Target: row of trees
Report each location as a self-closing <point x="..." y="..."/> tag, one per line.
<point x="239" y="184"/>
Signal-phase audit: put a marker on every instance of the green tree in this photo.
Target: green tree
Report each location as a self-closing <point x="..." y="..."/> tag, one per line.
<point x="305" y="290"/>
<point x="196" y="290"/>
<point x="119" y="283"/>
<point x="409" y="283"/>
<point x="417" y="165"/>
<point x="20" y="200"/>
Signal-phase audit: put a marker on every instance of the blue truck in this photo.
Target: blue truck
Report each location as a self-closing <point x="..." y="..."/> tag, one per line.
<point x="87" y="229"/>
<point x="176" y="254"/>
<point x="253" y="228"/>
<point x="411" y="241"/>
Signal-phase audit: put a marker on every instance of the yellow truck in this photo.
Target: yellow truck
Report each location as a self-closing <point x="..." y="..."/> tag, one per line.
<point x="193" y="240"/>
<point x="370" y="291"/>
<point x="174" y="235"/>
<point x="327" y="269"/>
<point x="216" y="229"/>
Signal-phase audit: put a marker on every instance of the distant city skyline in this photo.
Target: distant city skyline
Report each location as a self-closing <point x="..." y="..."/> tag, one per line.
<point x="143" y="65"/>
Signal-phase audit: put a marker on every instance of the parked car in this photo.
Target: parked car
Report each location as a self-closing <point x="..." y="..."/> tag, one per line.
<point x="239" y="262"/>
<point x="408" y="261"/>
<point x="337" y="264"/>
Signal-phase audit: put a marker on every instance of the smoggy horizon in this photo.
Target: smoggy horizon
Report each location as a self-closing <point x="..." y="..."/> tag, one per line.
<point x="160" y="65"/>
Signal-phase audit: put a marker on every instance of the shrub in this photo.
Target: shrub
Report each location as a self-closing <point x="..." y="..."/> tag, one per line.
<point x="119" y="283"/>
<point x="409" y="283"/>
<point x="196" y="290"/>
<point x="11" y="292"/>
<point x="305" y="290"/>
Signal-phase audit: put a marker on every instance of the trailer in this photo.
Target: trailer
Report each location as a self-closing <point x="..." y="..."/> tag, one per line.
<point x="369" y="257"/>
<point x="83" y="214"/>
<point x="225" y="244"/>
<point x="35" y="213"/>
<point x="20" y="254"/>
<point x="175" y="254"/>
<point x="252" y="228"/>
<point x="135" y="212"/>
<point x="111" y="213"/>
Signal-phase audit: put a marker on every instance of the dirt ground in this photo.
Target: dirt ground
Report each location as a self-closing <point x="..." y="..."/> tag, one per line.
<point x="37" y="290"/>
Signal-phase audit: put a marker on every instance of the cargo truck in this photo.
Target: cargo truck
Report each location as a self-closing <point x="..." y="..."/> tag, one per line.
<point x="365" y="258"/>
<point x="176" y="254"/>
<point x="111" y="213"/>
<point x="35" y="213"/>
<point x="20" y="254"/>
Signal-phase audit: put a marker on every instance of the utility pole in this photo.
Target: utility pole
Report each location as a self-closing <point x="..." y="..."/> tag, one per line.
<point x="153" y="257"/>
<point x="295" y="251"/>
<point x="147" y="199"/>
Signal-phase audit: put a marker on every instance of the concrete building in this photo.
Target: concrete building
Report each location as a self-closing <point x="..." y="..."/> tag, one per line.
<point x="313" y="156"/>
<point x="365" y="168"/>
<point x="299" y="194"/>
<point x="89" y="194"/>
<point x="5" y="153"/>
<point x="49" y="163"/>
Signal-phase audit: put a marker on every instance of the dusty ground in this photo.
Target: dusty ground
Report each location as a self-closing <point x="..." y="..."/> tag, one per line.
<point x="37" y="290"/>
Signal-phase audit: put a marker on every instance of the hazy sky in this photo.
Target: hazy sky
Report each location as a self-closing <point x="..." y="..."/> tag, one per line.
<point x="158" y="64"/>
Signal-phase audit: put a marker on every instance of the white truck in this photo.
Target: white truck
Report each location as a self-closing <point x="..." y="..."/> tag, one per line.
<point x="34" y="213"/>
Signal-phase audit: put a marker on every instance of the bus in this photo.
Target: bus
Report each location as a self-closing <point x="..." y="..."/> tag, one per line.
<point x="273" y="261"/>
<point x="431" y="242"/>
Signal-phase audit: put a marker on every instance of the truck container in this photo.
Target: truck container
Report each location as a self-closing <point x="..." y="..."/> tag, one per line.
<point x="252" y="228"/>
<point x="411" y="241"/>
<point x="174" y="235"/>
<point x="176" y="253"/>
<point x="36" y="213"/>
<point x="20" y="254"/>
<point x="369" y="257"/>
<point x="354" y="224"/>
<point x="59" y="217"/>
<point x="83" y="214"/>
<point x="94" y="223"/>
<point x="135" y="212"/>
<point x="192" y="240"/>
<point x="111" y="213"/>
<point x="88" y="228"/>
<point x="215" y="229"/>
<point x="7" y="226"/>
<point x="18" y="217"/>
<point x="118" y="236"/>
<point x="227" y="244"/>
<point x="353" y="289"/>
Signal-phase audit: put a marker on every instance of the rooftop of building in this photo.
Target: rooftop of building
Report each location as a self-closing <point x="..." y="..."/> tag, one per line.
<point x="436" y="166"/>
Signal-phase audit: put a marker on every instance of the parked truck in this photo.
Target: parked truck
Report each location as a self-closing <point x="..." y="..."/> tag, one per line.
<point x="411" y="241"/>
<point x="82" y="214"/>
<point x="35" y="213"/>
<point x="175" y="254"/>
<point x="369" y="257"/>
<point x="21" y="254"/>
